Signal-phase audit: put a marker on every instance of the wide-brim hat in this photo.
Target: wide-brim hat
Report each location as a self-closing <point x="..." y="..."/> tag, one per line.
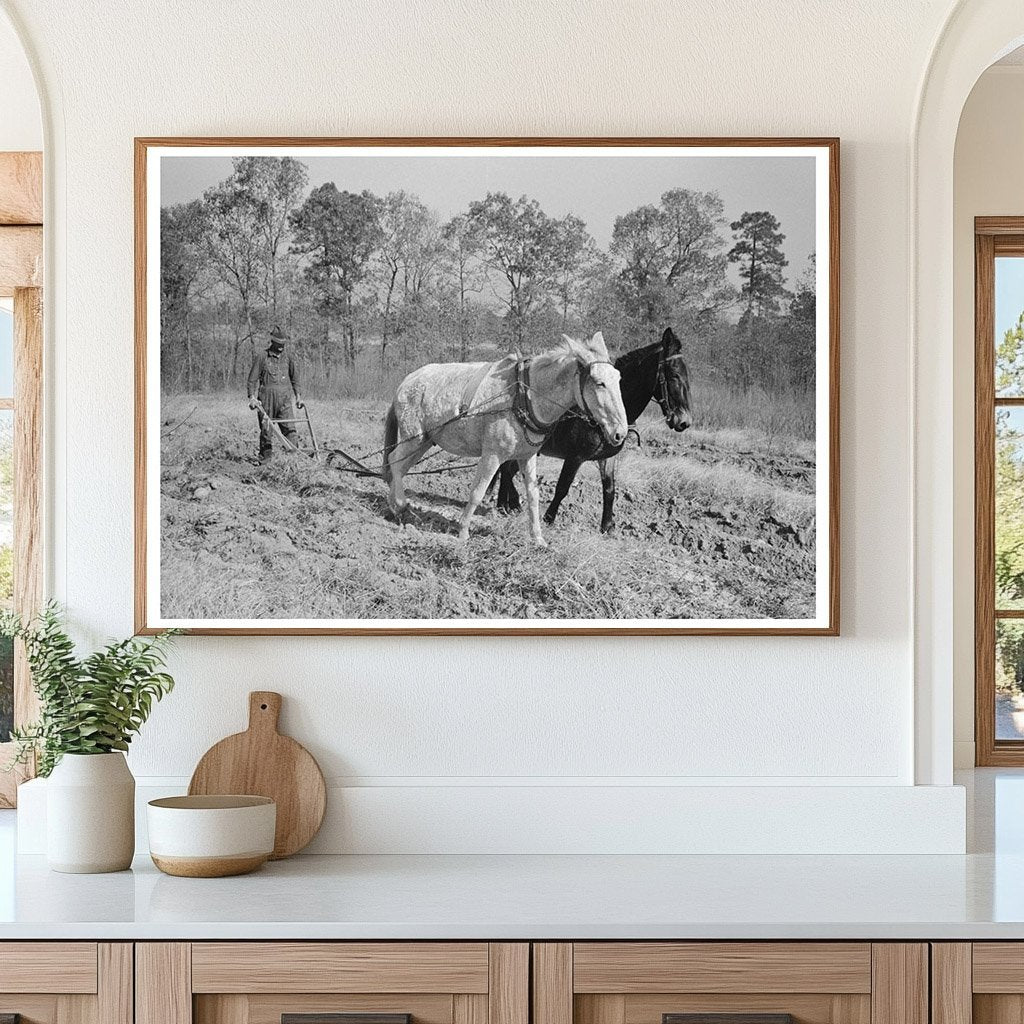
<point x="277" y="335"/>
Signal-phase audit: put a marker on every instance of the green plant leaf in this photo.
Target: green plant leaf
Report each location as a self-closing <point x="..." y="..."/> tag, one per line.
<point x="90" y="705"/>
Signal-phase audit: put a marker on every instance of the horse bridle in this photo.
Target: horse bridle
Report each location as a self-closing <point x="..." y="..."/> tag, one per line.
<point x="528" y="418"/>
<point x="584" y="372"/>
<point x="662" y="385"/>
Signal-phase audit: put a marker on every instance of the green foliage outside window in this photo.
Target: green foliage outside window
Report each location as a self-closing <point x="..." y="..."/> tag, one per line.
<point x="1009" y="510"/>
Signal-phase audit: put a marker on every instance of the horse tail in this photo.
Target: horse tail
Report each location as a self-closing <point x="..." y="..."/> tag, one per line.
<point x="390" y="440"/>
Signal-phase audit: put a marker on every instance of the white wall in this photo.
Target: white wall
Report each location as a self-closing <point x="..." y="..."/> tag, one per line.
<point x="988" y="180"/>
<point x="447" y="713"/>
<point x="21" y="127"/>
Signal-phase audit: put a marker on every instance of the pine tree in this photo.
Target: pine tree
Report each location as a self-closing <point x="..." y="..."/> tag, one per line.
<point x="757" y="250"/>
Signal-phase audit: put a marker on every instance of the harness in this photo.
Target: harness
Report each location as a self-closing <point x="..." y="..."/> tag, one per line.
<point x="535" y="429"/>
<point x="474" y="382"/>
<point x="529" y="420"/>
<point x="662" y="385"/>
<point x="521" y="405"/>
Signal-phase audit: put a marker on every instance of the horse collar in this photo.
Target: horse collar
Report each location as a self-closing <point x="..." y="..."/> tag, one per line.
<point x="582" y="376"/>
<point x="524" y="412"/>
<point x="522" y="408"/>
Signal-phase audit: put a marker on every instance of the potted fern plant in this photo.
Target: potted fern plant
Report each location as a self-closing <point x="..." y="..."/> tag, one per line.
<point x="90" y="708"/>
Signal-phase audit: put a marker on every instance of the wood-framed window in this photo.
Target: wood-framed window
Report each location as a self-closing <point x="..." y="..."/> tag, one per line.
<point x="21" y="373"/>
<point x="999" y="490"/>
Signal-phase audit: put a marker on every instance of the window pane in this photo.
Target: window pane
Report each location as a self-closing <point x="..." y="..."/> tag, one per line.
<point x="6" y="353"/>
<point x="1009" y="512"/>
<point x="6" y="567"/>
<point x="1009" y="679"/>
<point x="1009" y="322"/>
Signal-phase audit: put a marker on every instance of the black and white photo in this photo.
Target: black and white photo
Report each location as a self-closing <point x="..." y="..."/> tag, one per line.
<point x="487" y="386"/>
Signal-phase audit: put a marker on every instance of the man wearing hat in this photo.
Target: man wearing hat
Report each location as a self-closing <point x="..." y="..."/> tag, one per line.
<point x="274" y="381"/>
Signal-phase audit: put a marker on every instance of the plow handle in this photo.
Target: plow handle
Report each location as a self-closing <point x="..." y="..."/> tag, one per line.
<point x="312" y="432"/>
<point x="264" y="415"/>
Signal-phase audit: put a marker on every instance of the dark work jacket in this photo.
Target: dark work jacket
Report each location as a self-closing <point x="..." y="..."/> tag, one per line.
<point x="273" y="371"/>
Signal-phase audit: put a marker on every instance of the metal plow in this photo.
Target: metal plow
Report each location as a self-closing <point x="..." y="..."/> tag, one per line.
<point x="337" y="458"/>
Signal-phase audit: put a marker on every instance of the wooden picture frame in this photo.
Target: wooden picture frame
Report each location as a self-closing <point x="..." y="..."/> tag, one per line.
<point x="150" y="151"/>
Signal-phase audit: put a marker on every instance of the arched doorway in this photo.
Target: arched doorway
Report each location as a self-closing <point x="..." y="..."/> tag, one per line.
<point x="21" y="251"/>
<point x="976" y="34"/>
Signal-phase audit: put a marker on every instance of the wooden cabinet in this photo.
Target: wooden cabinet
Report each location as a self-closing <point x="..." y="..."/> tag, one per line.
<point x="494" y="983"/>
<point x="264" y="982"/>
<point x="978" y="983"/>
<point x="754" y="982"/>
<point x="66" y="982"/>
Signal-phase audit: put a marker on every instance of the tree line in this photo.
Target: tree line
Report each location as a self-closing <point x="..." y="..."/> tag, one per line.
<point x="370" y="286"/>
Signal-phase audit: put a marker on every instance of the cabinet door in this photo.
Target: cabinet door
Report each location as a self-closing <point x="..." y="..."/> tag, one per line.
<point x="332" y="983"/>
<point x="730" y="983"/>
<point x="980" y="982"/>
<point x="65" y="983"/>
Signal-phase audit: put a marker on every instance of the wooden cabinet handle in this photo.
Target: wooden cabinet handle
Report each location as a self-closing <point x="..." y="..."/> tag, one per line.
<point x="727" y="1018"/>
<point x="338" y="1018"/>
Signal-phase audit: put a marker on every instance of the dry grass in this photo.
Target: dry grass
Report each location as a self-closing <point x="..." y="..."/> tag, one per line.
<point x="722" y="486"/>
<point x="778" y="418"/>
<point x="711" y="525"/>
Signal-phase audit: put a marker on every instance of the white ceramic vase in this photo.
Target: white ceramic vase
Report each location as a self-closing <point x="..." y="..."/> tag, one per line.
<point x="90" y="814"/>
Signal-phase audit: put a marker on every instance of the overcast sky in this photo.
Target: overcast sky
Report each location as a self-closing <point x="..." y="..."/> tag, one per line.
<point x="596" y="189"/>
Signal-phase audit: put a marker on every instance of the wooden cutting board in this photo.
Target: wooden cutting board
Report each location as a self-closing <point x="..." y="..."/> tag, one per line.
<point x="262" y="762"/>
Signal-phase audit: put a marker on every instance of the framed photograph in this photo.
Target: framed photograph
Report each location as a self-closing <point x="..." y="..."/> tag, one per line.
<point x="473" y="385"/>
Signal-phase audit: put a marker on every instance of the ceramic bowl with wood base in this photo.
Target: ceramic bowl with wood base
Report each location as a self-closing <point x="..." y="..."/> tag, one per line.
<point x="211" y="836"/>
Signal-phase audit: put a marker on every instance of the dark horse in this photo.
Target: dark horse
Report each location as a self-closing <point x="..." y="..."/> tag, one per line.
<point x="655" y="371"/>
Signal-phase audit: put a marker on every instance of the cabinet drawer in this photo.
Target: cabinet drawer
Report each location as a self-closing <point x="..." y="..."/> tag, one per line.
<point x="730" y="983"/>
<point x="635" y="967"/>
<point x="64" y="967"/>
<point x="998" y="967"/>
<point x="340" y="967"/>
<point x="332" y="983"/>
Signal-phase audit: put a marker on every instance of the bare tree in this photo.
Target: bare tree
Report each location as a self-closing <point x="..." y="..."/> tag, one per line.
<point x="691" y="223"/>
<point x="576" y="257"/>
<point x="639" y="248"/>
<point x="518" y="240"/>
<point x="462" y="242"/>
<point x="181" y="269"/>
<point x="274" y="186"/>
<point x="409" y="252"/>
<point x="235" y="250"/>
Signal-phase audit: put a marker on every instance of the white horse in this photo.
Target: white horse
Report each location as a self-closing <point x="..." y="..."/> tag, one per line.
<point x="499" y="411"/>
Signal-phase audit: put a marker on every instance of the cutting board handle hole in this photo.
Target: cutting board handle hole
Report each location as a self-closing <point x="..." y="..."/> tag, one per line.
<point x="263" y="707"/>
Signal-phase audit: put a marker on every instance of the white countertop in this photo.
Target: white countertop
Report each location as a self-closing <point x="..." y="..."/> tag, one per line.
<point x="516" y="897"/>
<point x="977" y="896"/>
